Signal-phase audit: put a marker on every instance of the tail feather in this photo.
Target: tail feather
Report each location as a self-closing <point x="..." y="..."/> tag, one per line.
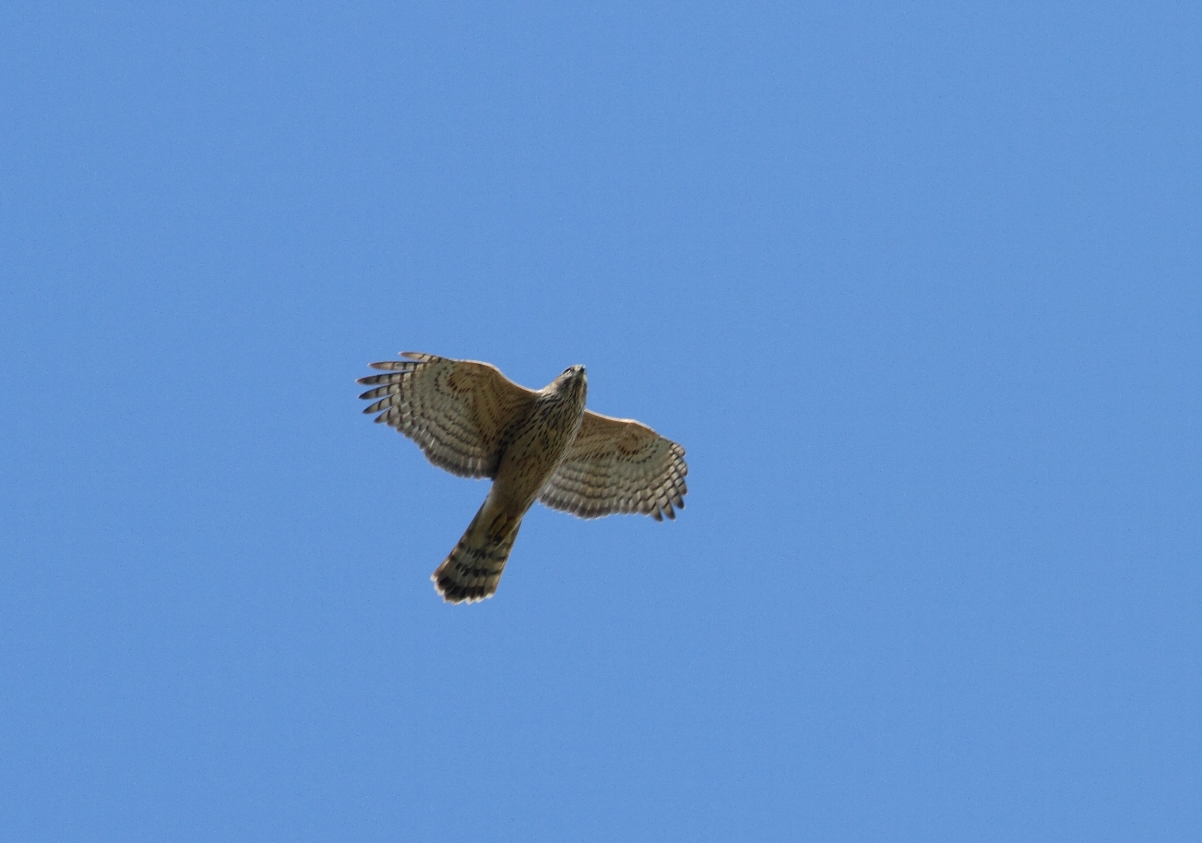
<point x="473" y="569"/>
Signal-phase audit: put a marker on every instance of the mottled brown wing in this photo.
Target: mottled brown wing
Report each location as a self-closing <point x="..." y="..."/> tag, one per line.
<point x="457" y="411"/>
<point x="618" y="465"/>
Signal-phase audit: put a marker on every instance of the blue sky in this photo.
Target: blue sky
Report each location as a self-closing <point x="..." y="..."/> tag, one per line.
<point x="916" y="285"/>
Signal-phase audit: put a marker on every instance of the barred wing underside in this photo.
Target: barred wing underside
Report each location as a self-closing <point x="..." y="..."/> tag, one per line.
<point x="457" y="411"/>
<point x="618" y="465"/>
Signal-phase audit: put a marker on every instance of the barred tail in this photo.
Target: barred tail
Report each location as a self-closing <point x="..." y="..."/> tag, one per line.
<point x="474" y="567"/>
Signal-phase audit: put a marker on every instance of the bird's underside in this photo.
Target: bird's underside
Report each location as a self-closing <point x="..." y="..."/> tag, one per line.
<point x="535" y="445"/>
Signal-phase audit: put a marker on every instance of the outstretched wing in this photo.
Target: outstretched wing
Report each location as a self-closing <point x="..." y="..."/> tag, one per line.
<point x="457" y="411"/>
<point x="618" y="465"/>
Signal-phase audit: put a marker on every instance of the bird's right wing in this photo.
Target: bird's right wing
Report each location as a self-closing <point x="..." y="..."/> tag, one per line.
<point x="618" y="465"/>
<point x="457" y="411"/>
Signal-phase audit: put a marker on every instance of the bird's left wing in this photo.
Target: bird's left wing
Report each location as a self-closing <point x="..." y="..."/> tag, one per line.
<point x="618" y="465"/>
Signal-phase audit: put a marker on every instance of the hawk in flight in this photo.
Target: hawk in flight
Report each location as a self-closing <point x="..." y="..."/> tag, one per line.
<point x="535" y="445"/>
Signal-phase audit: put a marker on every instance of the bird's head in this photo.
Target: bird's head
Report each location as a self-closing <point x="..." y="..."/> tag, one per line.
<point x="572" y="378"/>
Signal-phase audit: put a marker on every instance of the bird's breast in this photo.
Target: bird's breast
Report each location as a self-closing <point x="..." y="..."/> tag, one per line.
<point x="537" y="446"/>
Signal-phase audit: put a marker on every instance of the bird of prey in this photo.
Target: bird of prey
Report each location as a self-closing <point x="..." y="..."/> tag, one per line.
<point x="535" y="445"/>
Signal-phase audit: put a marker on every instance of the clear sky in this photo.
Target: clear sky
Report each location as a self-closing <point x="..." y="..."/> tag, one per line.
<point x="916" y="284"/>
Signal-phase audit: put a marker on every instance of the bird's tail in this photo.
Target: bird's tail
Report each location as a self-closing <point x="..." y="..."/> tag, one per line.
<point x="474" y="567"/>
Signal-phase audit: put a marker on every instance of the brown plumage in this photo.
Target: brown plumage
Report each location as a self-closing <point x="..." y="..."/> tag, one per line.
<point x="535" y="445"/>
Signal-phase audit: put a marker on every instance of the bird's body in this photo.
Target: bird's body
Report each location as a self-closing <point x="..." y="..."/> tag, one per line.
<point x="473" y="568"/>
<point x="544" y="445"/>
